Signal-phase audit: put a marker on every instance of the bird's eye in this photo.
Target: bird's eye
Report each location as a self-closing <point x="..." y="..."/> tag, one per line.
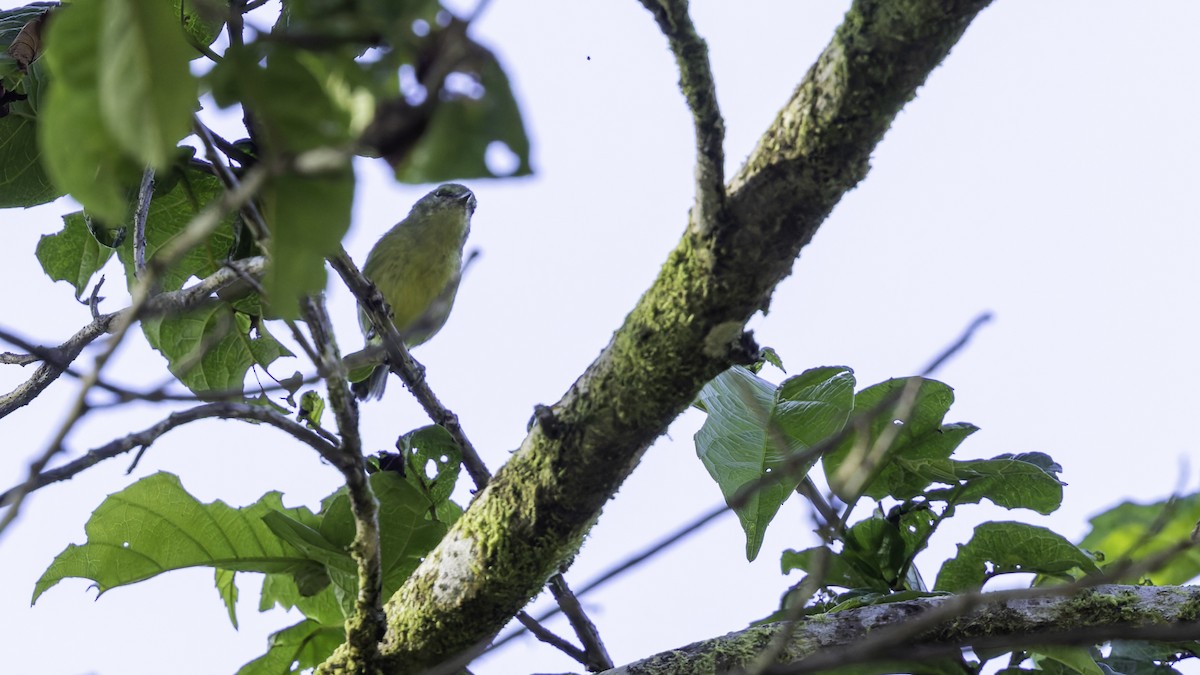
<point x="443" y="192"/>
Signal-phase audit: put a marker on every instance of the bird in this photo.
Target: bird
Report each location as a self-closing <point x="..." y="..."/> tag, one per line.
<point x="417" y="265"/>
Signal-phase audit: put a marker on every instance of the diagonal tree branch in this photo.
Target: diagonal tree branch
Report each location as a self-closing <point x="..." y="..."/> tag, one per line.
<point x="144" y="438"/>
<point x="687" y="328"/>
<point x="56" y="361"/>
<point x="365" y="627"/>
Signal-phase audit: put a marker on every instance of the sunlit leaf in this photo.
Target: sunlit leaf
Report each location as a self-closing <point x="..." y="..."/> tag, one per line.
<point x="73" y="255"/>
<point x="147" y="91"/>
<point x="1008" y="547"/>
<point x="754" y="428"/>
<point x="155" y="526"/>
<point x="1138" y="531"/>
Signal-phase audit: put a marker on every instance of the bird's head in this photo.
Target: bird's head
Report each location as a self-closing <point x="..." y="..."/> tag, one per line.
<point x="449" y="197"/>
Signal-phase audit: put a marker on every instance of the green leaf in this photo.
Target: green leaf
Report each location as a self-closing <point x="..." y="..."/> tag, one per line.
<point x="312" y="407"/>
<point x="23" y="181"/>
<point x="211" y="348"/>
<point x="468" y="126"/>
<point x="308" y="216"/>
<point x="301" y="100"/>
<point x="79" y="151"/>
<point x="754" y="428"/>
<point x="1076" y="659"/>
<point x="296" y="649"/>
<point x="1007" y="547"/>
<point x="914" y="458"/>
<point x="202" y="27"/>
<point x="313" y="596"/>
<point x="227" y="588"/>
<point x="73" y="255"/>
<point x="406" y="534"/>
<point x="1139" y="531"/>
<point x="877" y="553"/>
<point x="433" y="462"/>
<point x="147" y="91"/>
<point x="1009" y="481"/>
<point x="1131" y="657"/>
<point x="155" y="526"/>
<point x="338" y="566"/>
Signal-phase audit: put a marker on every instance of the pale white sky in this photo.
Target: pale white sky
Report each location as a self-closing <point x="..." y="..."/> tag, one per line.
<point x="1046" y="173"/>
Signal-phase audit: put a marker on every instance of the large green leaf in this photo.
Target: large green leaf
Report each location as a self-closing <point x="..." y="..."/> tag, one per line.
<point x="147" y="91"/>
<point x="753" y="428"/>
<point x="1008" y="547"/>
<point x="1139" y="531"/>
<point x="212" y="347"/>
<point x="466" y="127"/>
<point x="1010" y="481"/>
<point x="79" y="151"/>
<point x="406" y="533"/>
<point x="296" y="649"/>
<point x="301" y="100"/>
<point x="73" y="255"/>
<point x="915" y="457"/>
<point x="23" y="181"/>
<point x="308" y="215"/>
<point x="155" y="526"/>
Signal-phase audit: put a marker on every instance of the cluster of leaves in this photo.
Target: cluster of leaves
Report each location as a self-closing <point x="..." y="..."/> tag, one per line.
<point x="98" y="91"/>
<point x="760" y="441"/>
<point x="154" y="526"/>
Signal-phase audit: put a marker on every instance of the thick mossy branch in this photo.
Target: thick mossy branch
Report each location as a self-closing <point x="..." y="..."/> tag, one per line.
<point x="684" y="331"/>
<point x="833" y="640"/>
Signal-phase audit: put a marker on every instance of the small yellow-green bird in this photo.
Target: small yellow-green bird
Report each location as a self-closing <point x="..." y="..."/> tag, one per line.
<point x="417" y="266"/>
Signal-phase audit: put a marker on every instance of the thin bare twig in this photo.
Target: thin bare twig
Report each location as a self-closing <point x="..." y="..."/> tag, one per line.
<point x="199" y="229"/>
<point x="251" y="215"/>
<point x="549" y="637"/>
<point x="596" y="656"/>
<point x="700" y="90"/>
<point x="144" y="438"/>
<point x="145" y="192"/>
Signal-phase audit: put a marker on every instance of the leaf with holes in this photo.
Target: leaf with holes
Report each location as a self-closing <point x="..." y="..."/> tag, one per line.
<point x="476" y="132"/>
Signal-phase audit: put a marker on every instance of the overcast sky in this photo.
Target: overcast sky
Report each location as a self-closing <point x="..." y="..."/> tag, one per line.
<point x="1046" y="172"/>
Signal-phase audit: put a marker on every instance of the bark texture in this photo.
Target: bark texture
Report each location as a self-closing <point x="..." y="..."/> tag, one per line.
<point x="1093" y="615"/>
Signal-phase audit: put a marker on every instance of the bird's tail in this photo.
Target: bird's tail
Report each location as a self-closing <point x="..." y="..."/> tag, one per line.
<point x="373" y="386"/>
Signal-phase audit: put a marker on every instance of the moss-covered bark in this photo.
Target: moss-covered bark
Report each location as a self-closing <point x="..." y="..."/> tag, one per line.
<point x="1098" y="613"/>
<point x="685" y="330"/>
